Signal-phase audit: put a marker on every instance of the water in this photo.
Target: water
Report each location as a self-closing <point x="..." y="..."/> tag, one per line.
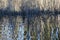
<point x="8" y="31"/>
<point x="21" y="32"/>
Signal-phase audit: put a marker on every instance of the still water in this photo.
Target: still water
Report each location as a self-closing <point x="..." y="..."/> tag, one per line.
<point x="18" y="31"/>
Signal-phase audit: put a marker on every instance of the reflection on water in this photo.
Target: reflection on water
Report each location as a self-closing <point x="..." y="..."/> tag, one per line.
<point x="20" y="32"/>
<point x="54" y="35"/>
<point x="57" y="33"/>
<point x="36" y="31"/>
